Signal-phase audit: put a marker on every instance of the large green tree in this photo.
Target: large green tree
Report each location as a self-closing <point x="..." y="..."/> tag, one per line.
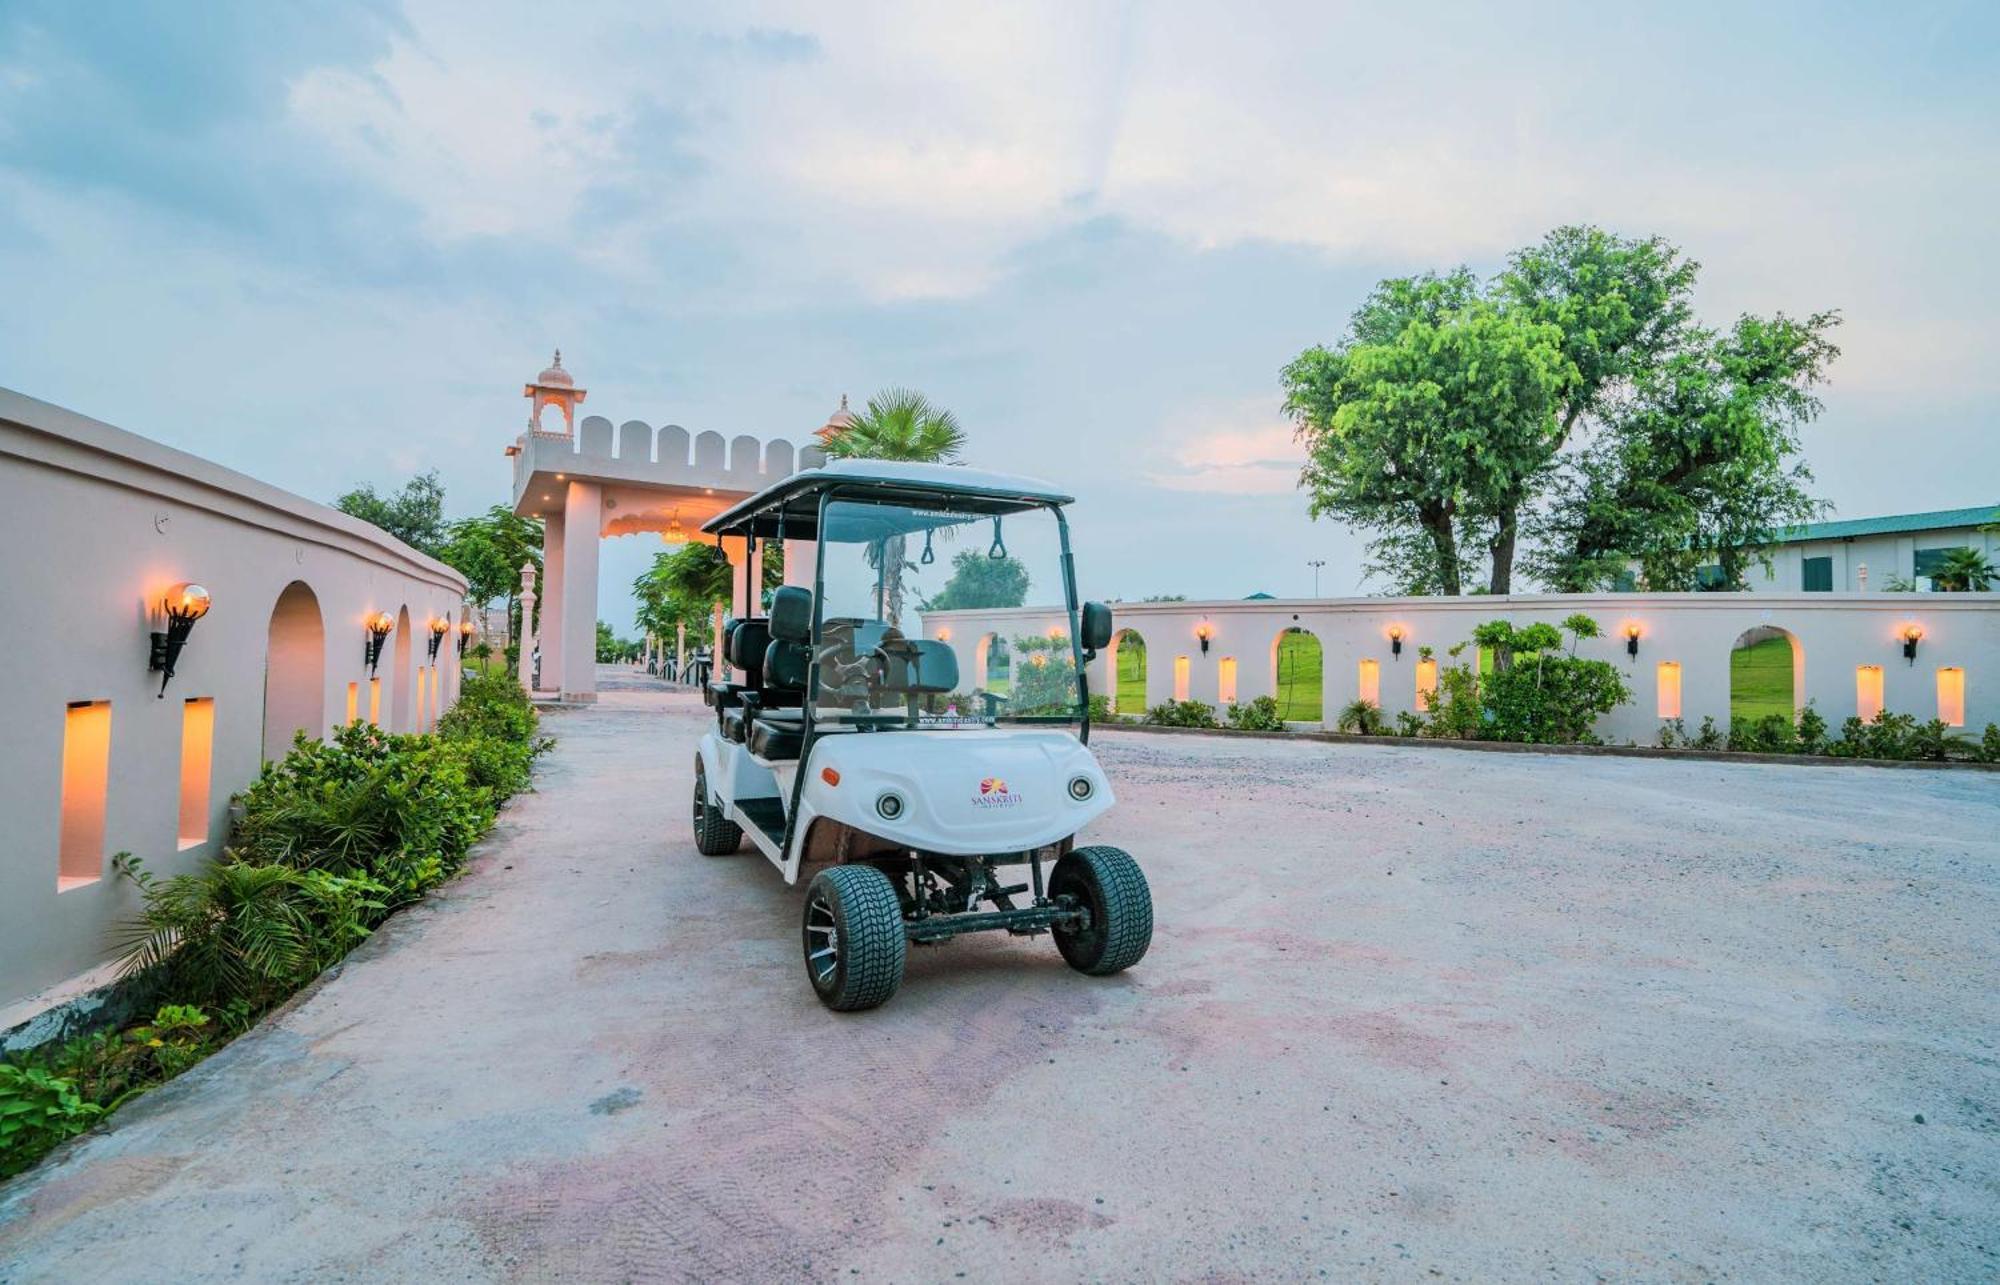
<point x="1433" y="416"/>
<point x="414" y="514"/>
<point x="688" y="585"/>
<point x="1571" y="400"/>
<point x="978" y="580"/>
<point x="488" y="551"/>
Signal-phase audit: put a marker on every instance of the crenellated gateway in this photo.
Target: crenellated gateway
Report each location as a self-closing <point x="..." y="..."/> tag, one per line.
<point x="588" y="481"/>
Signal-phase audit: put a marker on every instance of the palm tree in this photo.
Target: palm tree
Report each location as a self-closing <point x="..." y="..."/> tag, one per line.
<point x="898" y="424"/>
<point x="1962" y="569"/>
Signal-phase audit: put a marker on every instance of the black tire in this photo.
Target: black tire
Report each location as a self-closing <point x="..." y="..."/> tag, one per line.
<point x="715" y="835"/>
<point x="1109" y="884"/>
<point x="854" y="912"/>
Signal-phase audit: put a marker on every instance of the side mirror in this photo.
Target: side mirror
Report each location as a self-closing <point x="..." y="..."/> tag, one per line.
<point x="1096" y="626"/>
<point x="792" y="614"/>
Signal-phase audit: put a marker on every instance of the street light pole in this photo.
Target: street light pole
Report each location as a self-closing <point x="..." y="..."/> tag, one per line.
<point x="1315" y="564"/>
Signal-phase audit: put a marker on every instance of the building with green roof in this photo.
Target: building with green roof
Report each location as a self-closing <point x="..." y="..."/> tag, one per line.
<point x="1862" y="555"/>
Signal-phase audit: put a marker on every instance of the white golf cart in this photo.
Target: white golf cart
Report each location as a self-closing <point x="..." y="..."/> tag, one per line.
<point x="852" y="744"/>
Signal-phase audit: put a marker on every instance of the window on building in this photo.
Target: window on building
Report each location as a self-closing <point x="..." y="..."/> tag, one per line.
<point x="1427" y="683"/>
<point x="1867" y="691"/>
<point x="1225" y="677"/>
<point x="1371" y="682"/>
<point x="1669" y="679"/>
<point x="1816" y="575"/>
<point x="375" y="702"/>
<point x="86" y="780"/>
<point x="1951" y="696"/>
<point x="353" y="701"/>
<point x="197" y="761"/>
<point x="1181" y="666"/>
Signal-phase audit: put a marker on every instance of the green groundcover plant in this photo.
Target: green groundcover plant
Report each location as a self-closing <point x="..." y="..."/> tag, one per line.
<point x="332" y="839"/>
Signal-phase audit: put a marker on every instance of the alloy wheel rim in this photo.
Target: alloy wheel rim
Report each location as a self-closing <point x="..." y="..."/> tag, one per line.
<point x="822" y="940"/>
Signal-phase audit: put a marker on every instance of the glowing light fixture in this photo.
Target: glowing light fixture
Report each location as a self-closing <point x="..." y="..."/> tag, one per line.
<point x="944" y="634"/>
<point x="1632" y="632"/>
<point x="466" y="629"/>
<point x="1204" y="631"/>
<point x="182" y="605"/>
<point x="439" y="628"/>
<point x="1911" y="636"/>
<point x="1396" y="641"/>
<point x="378" y="627"/>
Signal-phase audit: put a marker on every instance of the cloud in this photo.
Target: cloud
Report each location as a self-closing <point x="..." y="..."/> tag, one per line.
<point x="1242" y="449"/>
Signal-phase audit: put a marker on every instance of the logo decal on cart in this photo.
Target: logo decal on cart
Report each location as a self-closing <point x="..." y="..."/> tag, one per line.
<point x="993" y="793"/>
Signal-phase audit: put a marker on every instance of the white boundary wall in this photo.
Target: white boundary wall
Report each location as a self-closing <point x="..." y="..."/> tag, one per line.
<point x="95" y="524"/>
<point x="1835" y="635"/>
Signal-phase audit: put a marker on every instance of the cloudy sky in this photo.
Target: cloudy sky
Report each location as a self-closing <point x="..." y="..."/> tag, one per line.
<point x="326" y="243"/>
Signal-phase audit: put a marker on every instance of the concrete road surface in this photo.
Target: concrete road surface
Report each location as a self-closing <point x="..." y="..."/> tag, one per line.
<point x="1410" y="1014"/>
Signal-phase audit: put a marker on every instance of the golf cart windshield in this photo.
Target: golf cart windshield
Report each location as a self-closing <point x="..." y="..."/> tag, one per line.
<point x="881" y="563"/>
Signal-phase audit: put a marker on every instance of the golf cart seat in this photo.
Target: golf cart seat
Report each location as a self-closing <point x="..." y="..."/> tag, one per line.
<point x="778" y="734"/>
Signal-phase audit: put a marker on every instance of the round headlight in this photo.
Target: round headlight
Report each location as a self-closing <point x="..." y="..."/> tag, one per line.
<point x="1080" y="788"/>
<point x="889" y="806"/>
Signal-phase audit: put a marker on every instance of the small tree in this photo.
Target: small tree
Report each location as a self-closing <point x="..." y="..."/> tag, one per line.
<point x="414" y="514"/>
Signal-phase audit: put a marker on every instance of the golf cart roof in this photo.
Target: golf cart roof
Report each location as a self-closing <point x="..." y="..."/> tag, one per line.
<point x="796" y="498"/>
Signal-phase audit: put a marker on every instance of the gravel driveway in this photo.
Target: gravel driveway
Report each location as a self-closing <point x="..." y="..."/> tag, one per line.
<point x="1409" y="1014"/>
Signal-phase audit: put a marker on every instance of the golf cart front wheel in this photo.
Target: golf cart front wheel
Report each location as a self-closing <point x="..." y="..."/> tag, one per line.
<point x="715" y="835"/>
<point x="1106" y="882"/>
<point x="853" y="937"/>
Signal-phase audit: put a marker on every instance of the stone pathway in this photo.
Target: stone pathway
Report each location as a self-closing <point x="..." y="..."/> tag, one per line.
<point x="1409" y="1012"/>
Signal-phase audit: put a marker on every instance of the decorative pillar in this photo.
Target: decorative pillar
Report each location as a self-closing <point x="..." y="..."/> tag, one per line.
<point x="549" y="675"/>
<point x="799" y="556"/>
<point x="583" y="524"/>
<point x="680" y="650"/>
<point x="527" y="661"/>
<point x="733" y="548"/>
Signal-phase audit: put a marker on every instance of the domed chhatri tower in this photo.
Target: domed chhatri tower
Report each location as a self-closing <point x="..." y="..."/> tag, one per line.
<point x="836" y="424"/>
<point x="554" y="387"/>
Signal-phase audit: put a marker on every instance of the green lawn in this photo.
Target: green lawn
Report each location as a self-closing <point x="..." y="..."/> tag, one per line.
<point x="1301" y="676"/>
<point x="1760" y="680"/>
<point x="1131" y="675"/>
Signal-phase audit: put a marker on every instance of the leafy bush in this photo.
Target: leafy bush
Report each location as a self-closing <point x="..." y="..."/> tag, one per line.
<point x="1100" y="709"/>
<point x="1708" y="737"/>
<point x="1771" y="734"/>
<point x="1811" y="731"/>
<point x="1989" y="744"/>
<point x="1673" y="734"/>
<point x="38" y="1110"/>
<point x="1539" y="695"/>
<point x="1361" y="717"/>
<point x="1182" y="714"/>
<point x="1260" y="715"/>
<point x="333" y="837"/>
<point x="1454" y="710"/>
<point x="1044" y="678"/>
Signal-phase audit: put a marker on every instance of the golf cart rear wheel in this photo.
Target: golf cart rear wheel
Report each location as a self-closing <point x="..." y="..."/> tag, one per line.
<point x="1108" y="883"/>
<point x="853" y="937"/>
<point x="715" y="835"/>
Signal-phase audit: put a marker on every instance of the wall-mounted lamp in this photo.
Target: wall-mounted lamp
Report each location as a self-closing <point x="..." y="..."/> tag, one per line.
<point x="1911" y="636"/>
<point x="1632" y="640"/>
<point x="466" y="629"/>
<point x="439" y="628"/>
<point x="1396" y="641"/>
<point x="182" y="605"/>
<point x="378" y="627"/>
<point x="944" y="634"/>
<point x="1204" y="631"/>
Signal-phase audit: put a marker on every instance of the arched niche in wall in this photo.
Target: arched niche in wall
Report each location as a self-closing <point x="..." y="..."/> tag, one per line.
<point x="402" y="712"/>
<point x="1767" y="674"/>
<point x="1298" y="675"/>
<point x="294" y="670"/>
<point x="1126" y="669"/>
<point x="992" y="665"/>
